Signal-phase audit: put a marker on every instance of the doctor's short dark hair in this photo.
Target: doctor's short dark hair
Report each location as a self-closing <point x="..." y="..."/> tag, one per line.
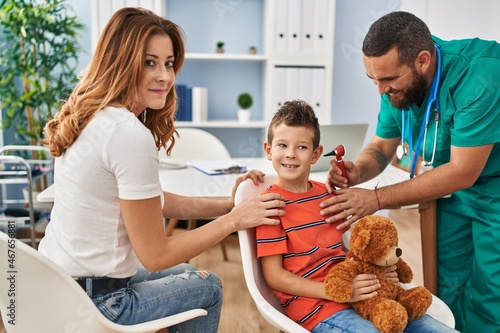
<point x="403" y="30"/>
<point x="295" y="113"/>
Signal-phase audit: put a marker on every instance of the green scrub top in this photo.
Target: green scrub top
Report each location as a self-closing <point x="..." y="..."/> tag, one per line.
<point x="469" y="95"/>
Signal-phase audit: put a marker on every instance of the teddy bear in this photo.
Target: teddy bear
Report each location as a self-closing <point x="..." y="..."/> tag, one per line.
<point x="373" y="247"/>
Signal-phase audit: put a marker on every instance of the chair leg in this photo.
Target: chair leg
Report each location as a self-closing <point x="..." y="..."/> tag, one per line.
<point x="192" y="224"/>
<point x="171" y="225"/>
<point x="224" y="250"/>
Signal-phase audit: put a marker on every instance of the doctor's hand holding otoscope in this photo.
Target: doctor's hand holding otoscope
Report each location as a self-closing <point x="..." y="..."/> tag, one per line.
<point x="338" y="176"/>
<point x="343" y="174"/>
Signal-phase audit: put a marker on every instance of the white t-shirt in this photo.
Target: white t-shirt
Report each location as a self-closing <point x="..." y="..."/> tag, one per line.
<point x="114" y="158"/>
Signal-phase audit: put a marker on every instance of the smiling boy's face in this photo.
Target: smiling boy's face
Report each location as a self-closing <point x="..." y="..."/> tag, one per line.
<point x="292" y="153"/>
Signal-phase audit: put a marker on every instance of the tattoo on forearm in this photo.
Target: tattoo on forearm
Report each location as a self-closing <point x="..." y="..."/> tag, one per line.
<point x="380" y="158"/>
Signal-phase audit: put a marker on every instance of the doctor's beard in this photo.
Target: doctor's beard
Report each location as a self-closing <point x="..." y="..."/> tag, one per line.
<point x="415" y="94"/>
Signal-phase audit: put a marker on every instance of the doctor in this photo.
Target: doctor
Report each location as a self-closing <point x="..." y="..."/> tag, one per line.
<point x="444" y="95"/>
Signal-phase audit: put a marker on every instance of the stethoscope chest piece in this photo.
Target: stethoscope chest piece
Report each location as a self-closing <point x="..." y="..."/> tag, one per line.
<point x="401" y="151"/>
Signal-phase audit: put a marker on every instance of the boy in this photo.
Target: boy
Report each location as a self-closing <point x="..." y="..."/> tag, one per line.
<point x="297" y="254"/>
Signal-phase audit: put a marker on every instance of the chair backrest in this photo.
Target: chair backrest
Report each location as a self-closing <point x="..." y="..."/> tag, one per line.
<point x="38" y="296"/>
<point x="267" y="304"/>
<point x="197" y="144"/>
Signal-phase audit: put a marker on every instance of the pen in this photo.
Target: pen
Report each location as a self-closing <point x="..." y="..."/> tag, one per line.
<point x="232" y="169"/>
<point x="339" y="153"/>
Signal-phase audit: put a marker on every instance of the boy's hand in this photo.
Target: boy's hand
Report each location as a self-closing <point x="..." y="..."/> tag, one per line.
<point x="364" y="286"/>
<point x="391" y="274"/>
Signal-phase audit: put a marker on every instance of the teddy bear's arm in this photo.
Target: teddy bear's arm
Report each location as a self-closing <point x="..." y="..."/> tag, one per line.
<point x="404" y="271"/>
<point x="338" y="282"/>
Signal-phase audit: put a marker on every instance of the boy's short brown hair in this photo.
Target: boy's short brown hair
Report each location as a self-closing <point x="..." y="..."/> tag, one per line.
<point x="295" y="113"/>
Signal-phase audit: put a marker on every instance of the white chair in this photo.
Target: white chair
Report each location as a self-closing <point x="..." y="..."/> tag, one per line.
<point x="40" y="297"/>
<point x="267" y="304"/>
<point x="195" y="144"/>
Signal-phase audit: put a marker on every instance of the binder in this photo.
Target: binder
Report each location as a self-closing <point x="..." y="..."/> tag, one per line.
<point x="189" y="104"/>
<point x="305" y="85"/>
<point x="184" y="108"/>
<point x="180" y="97"/>
<point x="294" y="25"/>
<point x="281" y="24"/>
<point x="307" y="25"/>
<point x="279" y="86"/>
<point x="318" y="92"/>
<point x="320" y="23"/>
<point x="200" y="104"/>
<point x="291" y="83"/>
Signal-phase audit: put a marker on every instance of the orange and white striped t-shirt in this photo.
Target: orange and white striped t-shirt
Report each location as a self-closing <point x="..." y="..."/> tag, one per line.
<point x="310" y="248"/>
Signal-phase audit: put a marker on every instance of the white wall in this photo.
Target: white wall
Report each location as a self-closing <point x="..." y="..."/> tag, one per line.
<point x="355" y="98"/>
<point x="458" y="19"/>
<point x="82" y="10"/>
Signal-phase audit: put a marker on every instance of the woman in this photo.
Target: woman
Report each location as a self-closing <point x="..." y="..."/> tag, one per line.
<point x="106" y="228"/>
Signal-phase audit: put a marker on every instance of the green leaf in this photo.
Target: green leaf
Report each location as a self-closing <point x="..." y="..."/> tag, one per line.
<point x="38" y="58"/>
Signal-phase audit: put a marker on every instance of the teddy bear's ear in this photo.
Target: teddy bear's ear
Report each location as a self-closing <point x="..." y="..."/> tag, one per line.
<point x="362" y="240"/>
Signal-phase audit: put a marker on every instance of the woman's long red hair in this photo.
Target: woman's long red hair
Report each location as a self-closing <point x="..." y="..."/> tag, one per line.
<point x="112" y="79"/>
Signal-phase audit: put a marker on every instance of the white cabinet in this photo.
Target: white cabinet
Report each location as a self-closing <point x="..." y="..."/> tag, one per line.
<point x="294" y="60"/>
<point x="299" y="39"/>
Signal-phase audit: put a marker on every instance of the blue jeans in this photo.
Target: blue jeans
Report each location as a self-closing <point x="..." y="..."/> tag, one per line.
<point x="151" y="296"/>
<point x="348" y="321"/>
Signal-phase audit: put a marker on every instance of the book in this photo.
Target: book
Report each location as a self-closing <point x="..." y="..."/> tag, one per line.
<point x="200" y="104"/>
<point x="184" y="101"/>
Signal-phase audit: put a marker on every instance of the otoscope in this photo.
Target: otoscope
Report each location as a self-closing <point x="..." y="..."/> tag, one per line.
<point x="339" y="153"/>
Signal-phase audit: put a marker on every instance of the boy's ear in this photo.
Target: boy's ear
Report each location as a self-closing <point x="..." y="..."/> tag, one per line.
<point x="267" y="150"/>
<point x="317" y="154"/>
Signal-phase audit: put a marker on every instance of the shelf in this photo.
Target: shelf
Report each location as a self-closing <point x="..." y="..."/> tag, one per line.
<point x="221" y="124"/>
<point x="226" y="56"/>
<point x="21" y="176"/>
<point x="15" y="169"/>
<point x="283" y="69"/>
<point x="301" y="59"/>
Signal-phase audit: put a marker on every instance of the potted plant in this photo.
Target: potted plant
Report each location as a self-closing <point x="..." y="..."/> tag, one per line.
<point x="245" y="101"/>
<point x="38" y="61"/>
<point x="38" y="57"/>
<point x="252" y="50"/>
<point x="220" y="47"/>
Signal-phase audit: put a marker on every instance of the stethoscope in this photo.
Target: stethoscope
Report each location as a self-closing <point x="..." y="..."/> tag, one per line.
<point x="406" y="122"/>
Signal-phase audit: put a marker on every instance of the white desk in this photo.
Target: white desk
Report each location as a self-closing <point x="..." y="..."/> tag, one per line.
<point x="191" y="182"/>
